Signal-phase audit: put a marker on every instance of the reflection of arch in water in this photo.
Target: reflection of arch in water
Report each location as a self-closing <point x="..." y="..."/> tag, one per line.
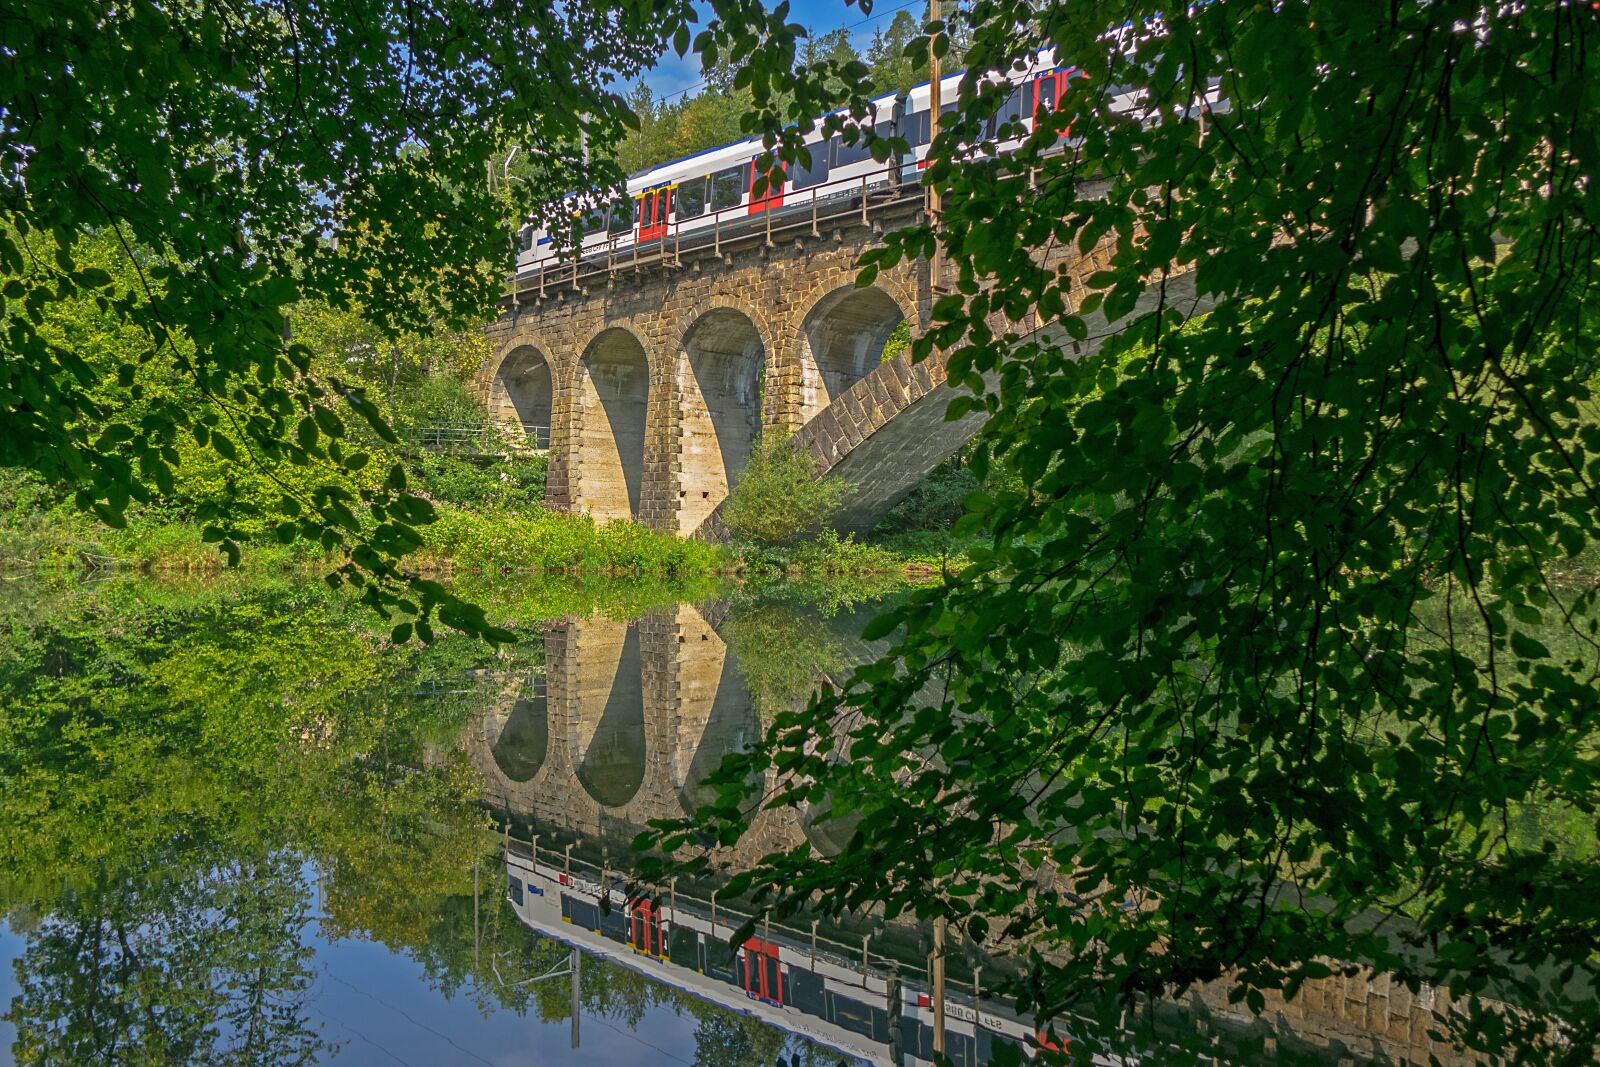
<point x="829" y="836"/>
<point x="731" y="726"/>
<point x="609" y="750"/>
<point x="523" y="740"/>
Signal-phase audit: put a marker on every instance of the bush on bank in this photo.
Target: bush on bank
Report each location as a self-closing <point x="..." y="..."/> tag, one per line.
<point x="556" y="542"/>
<point x="781" y="498"/>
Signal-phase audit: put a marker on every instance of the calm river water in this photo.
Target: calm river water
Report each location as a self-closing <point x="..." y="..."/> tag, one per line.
<point x="242" y="827"/>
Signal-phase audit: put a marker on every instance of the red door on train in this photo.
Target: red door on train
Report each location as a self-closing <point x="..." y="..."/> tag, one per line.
<point x="644" y="928"/>
<point x="763" y="974"/>
<point x="772" y="196"/>
<point x="1050" y="89"/>
<point x="655" y="208"/>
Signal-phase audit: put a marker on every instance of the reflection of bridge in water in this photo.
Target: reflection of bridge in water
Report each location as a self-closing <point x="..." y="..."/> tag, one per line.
<point x="625" y="726"/>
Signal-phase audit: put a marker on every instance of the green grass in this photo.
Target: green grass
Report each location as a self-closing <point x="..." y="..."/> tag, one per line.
<point x="552" y="542"/>
<point x="936" y="550"/>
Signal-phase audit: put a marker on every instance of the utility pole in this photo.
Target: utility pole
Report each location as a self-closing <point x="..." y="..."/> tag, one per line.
<point x="577" y="972"/>
<point x="934" y="76"/>
<point x="938" y="981"/>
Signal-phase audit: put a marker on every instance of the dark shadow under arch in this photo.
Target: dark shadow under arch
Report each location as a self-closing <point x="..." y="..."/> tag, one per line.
<point x="613" y="402"/>
<point x="830" y="836"/>
<point x="841" y="342"/>
<point x="720" y="418"/>
<point x="522" y="394"/>
<point x="524" y="740"/>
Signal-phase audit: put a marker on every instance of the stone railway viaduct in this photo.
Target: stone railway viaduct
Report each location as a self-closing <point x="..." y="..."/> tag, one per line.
<point x="657" y="378"/>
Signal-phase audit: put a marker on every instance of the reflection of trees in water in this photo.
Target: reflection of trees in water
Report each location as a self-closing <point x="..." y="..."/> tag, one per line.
<point x="176" y="764"/>
<point x="724" y="1038"/>
<point x="284" y="731"/>
<point x="201" y="968"/>
<point x="782" y="651"/>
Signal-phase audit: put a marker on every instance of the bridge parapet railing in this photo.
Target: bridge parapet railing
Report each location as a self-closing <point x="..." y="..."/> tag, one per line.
<point x="477" y="439"/>
<point x="857" y="198"/>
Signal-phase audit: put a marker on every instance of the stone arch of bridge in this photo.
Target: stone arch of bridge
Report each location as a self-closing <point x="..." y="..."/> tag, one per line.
<point x="522" y="391"/>
<point x="721" y="368"/>
<point x="611" y="404"/>
<point x="841" y="340"/>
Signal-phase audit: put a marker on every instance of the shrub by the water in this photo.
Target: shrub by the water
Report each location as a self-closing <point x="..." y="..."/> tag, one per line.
<point x="516" y="483"/>
<point x="780" y="496"/>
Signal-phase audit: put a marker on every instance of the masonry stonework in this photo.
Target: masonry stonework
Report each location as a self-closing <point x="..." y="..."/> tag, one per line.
<point x="758" y="337"/>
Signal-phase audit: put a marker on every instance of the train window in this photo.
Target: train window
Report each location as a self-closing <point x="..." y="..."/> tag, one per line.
<point x="592" y="221"/>
<point x="1011" y="111"/>
<point x="614" y="925"/>
<point x="622" y="215"/>
<point x="727" y="188"/>
<point x="817" y="173"/>
<point x="915" y="128"/>
<point x="580" y="912"/>
<point x="917" y="124"/>
<point x="846" y="154"/>
<point x="884" y="130"/>
<point x="806" y="991"/>
<point x="721" y="961"/>
<point x="683" y="947"/>
<point x="690" y="199"/>
<point x="852" y="1014"/>
<point x="1047" y="94"/>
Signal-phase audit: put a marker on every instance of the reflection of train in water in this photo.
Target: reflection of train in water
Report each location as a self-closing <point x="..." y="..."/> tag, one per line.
<point x="720" y="193"/>
<point x="876" y="1015"/>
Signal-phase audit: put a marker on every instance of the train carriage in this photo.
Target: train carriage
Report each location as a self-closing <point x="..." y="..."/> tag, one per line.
<point x="867" y="1015"/>
<point x="722" y="192"/>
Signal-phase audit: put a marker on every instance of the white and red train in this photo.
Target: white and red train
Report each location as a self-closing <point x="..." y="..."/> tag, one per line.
<point x="714" y="194"/>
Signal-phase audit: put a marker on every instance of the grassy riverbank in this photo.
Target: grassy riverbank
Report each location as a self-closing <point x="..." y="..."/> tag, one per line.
<point x="471" y="541"/>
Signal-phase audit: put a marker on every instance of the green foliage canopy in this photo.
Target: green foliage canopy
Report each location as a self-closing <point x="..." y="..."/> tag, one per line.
<point x="1274" y="646"/>
<point x="243" y="158"/>
<point x="780" y="495"/>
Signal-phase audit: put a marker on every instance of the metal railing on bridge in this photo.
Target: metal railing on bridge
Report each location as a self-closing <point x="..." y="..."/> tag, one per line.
<point x="478" y="440"/>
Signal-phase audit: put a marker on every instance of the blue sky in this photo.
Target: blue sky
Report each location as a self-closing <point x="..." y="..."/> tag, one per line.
<point x="674" y="75"/>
